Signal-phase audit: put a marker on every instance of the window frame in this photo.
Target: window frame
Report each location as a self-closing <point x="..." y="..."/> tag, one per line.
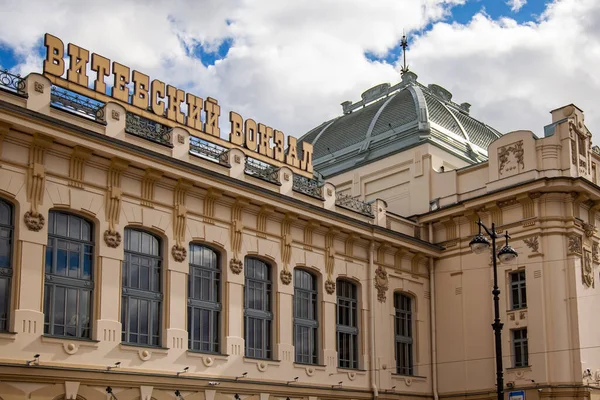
<point x="311" y="302"/>
<point x="197" y="305"/>
<point x="403" y="318"/>
<point x="55" y="282"/>
<point x="520" y="347"/>
<point x="256" y="316"/>
<point x="348" y="333"/>
<point x="153" y="298"/>
<point x="6" y="272"/>
<point x="520" y="286"/>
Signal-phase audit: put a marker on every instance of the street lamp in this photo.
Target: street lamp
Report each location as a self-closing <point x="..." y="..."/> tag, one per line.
<point x="479" y="244"/>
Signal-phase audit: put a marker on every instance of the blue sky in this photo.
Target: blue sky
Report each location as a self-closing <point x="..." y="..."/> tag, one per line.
<point x="290" y="64"/>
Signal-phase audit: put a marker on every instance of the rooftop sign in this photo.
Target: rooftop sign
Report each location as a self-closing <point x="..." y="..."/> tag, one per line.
<point x="165" y="101"/>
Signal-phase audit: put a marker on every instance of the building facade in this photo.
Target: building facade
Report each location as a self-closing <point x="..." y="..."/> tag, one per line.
<point x="145" y="258"/>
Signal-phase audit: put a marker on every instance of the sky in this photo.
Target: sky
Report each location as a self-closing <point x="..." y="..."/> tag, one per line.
<point x="289" y="64"/>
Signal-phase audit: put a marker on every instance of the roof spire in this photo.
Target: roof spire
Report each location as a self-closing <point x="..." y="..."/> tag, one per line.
<point x="404" y="45"/>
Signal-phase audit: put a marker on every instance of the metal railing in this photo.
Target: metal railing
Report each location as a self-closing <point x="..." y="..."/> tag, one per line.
<point x="309" y="187"/>
<point x="353" y="204"/>
<point x="12" y="82"/>
<point x="261" y="170"/>
<point x="148" y="129"/>
<point x="76" y="103"/>
<point x="210" y="151"/>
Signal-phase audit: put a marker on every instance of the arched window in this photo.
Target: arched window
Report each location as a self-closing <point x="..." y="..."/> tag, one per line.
<point x="404" y="334"/>
<point x="68" y="283"/>
<point x="306" y="323"/>
<point x="142" y="288"/>
<point x="258" y="315"/>
<point x="204" y="299"/>
<point x="6" y="246"/>
<point x="347" y="324"/>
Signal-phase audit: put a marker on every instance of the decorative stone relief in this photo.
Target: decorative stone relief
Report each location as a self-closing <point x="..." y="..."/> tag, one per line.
<point x="574" y="244"/>
<point x="180" y="139"/>
<point x="145" y="355"/>
<point x="595" y="253"/>
<point x="34" y="221"/>
<point x="510" y="158"/>
<point x="237" y="228"/>
<point x="79" y="157"/>
<point x="589" y="229"/>
<point x="587" y="272"/>
<point x="329" y="286"/>
<point x="208" y="361"/>
<point x="151" y="176"/>
<point x="286" y="247"/>
<point x="115" y="115"/>
<point x="381" y="283"/>
<point x="178" y="252"/>
<point x="329" y="192"/>
<point x="70" y="348"/>
<point x="262" y="366"/>
<point x="330" y="256"/>
<point x="310" y="371"/>
<point x="533" y="243"/>
<point x="209" y="204"/>
<point x="112" y="238"/>
<point x="236" y="266"/>
<point x="286" y="177"/>
<point x="38" y="87"/>
<point x="285" y="276"/>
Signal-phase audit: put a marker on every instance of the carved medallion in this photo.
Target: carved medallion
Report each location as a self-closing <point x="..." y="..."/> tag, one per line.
<point x="533" y="243"/>
<point x="178" y="252"/>
<point x="38" y="87"/>
<point x="112" y="238"/>
<point x="595" y="253"/>
<point x="574" y="245"/>
<point x="587" y="270"/>
<point x="34" y="221"/>
<point x="589" y="229"/>
<point x="381" y="283"/>
<point x="329" y="286"/>
<point x="285" y="276"/>
<point x="236" y="266"/>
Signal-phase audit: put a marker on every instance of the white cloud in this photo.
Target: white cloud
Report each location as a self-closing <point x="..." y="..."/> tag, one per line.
<point x="516" y="5"/>
<point x="292" y="63"/>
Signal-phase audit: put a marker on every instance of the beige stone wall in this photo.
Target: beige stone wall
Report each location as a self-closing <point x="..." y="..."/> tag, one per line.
<point x="117" y="180"/>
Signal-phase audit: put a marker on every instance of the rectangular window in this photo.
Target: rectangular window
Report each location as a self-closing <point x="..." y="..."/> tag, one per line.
<point x="518" y="290"/>
<point x="520" y="348"/>
<point x="257" y="309"/>
<point x="347" y="324"/>
<point x="305" y="317"/>
<point x="404" y="334"/>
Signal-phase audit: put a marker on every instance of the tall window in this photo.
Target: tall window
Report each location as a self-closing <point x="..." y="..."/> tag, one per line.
<point x="6" y="245"/>
<point x="305" y="317"/>
<point x="518" y="290"/>
<point x="142" y="294"/>
<point x="404" y="334"/>
<point x="520" y="347"/>
<point x="257" y="309"/>
<point x="347" y="324"/>
<point x="204" y="298"/>
<point x="68" y="281"/>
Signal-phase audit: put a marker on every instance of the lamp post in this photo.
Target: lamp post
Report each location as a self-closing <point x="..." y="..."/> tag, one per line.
<point x="480" y="244"/>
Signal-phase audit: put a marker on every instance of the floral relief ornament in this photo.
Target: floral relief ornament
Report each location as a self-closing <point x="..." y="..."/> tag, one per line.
<point x="329" y="286"/>
<point x="533" y="243"/>
<point x="178" y="252"/>
<point x="595" y="253"/>
<point x="34" y="220"/>
<point x="587" y="273"/>
<point x="285" y="276"/>
<point x="112" y="238"/>
<point x="236" y="266"/>
<point x="381" y="283"/>
<point x="516" y="149"/>
<point x="574" y="245"/>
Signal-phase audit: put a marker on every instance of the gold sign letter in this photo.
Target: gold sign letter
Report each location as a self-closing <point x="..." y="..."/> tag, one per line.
<point x="158" y="92"/>
<point x="102" y="67"/>
<point x="79" y="58"/>
<point x="175" y="99"/>
<point x="279" y="149"/>
<point x="193" y="112"/>
<point x="212" y="112"/>
<point x="141" y="84"/>
<point x="55" y="51"/>
<point x="306" y="163"/>
<point x="292" y="155"/>
<point x="236" y="136"/>
<point x="120" y="90"/>
<point x="266" y="133"/>
<point x="251" y="134"/>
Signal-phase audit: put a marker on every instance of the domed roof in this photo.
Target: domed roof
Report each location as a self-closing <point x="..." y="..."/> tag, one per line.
<point x="391" y="118"/>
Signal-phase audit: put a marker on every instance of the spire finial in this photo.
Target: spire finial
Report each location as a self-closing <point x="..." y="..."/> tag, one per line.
<point x="404" y="45"/>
